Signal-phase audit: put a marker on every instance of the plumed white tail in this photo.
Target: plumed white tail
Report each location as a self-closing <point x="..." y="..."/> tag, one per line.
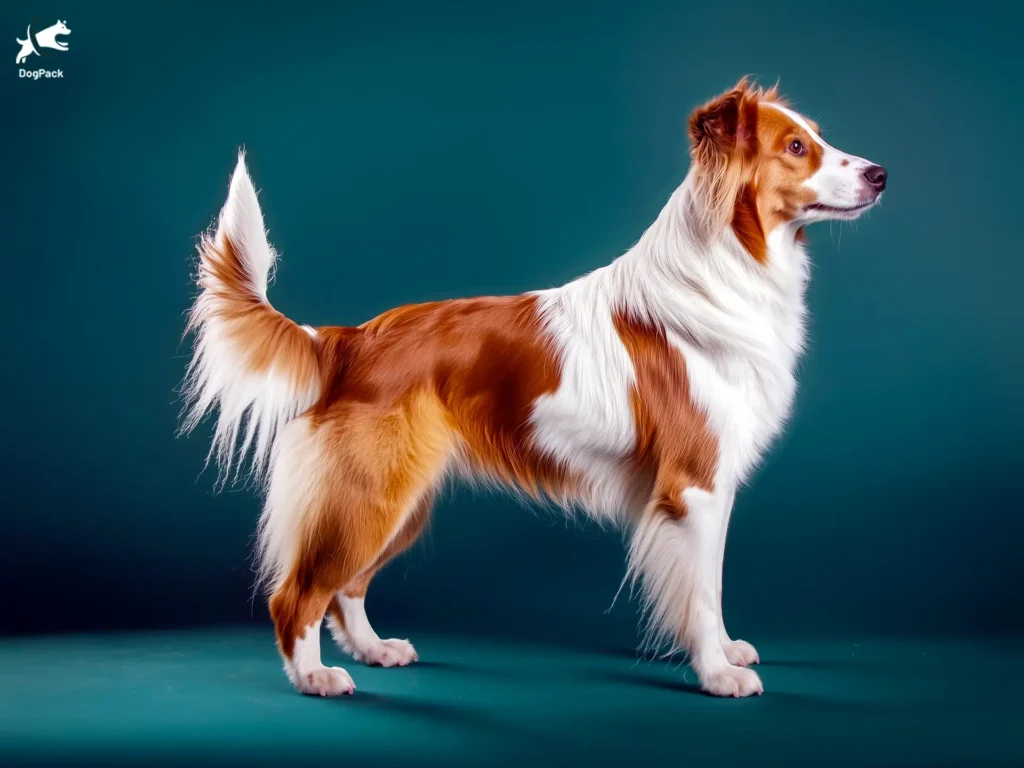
<point x="250" y="363"/>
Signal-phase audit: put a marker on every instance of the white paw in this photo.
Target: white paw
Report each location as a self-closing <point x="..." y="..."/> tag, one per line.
<point x="324" y="681"/>
<point x="740" y="653"/>
<point x="732" y="681"/>
<point x="388" y="653"/>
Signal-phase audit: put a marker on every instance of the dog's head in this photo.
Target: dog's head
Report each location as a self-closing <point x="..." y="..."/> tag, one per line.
<point x="60" y="28"/>
<point x="759" y="164"/>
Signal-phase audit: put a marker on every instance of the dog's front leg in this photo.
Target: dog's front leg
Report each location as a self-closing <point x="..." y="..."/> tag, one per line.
<point x="738" y="652"/>
<point x="675" y="553"/>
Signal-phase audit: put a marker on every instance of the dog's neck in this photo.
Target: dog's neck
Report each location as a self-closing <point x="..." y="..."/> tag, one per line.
<point x="683" y="239"/>
<point x="706" y="286"/>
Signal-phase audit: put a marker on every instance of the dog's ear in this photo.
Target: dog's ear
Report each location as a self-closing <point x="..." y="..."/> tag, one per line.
<point x="725" y="125"/>
<point x="724" y="136"/>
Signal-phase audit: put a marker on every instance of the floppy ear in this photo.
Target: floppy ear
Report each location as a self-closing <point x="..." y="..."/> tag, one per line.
<point x="724" y="135"/>
<point x="726" y="124"/>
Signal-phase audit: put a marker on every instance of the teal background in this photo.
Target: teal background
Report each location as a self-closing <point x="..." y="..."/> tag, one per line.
<point x="415" y="151"/>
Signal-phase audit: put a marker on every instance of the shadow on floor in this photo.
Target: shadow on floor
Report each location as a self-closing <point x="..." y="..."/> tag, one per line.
<point x="634" y="678"/>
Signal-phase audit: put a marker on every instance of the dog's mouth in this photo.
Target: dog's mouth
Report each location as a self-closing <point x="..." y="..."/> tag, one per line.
<point x="839" y="209"/>
<point x="842" y="212"/>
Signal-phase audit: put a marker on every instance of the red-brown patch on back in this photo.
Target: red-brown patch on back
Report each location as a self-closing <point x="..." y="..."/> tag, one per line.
<point x="674" y="440"/>
<point x="486" y="361"/>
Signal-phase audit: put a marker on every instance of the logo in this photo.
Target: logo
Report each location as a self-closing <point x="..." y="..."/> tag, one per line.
<point x="37" y="44"/>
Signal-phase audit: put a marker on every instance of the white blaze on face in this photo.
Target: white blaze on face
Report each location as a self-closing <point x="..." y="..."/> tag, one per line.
<point x="839" y="185"/>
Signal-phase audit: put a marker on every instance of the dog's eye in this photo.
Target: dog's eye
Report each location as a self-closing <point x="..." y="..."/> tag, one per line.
<point x="796" y="147"/>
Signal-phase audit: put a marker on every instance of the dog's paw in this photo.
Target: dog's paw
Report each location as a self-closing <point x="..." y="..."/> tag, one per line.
<point x="324" y="681"/>
<point x="740" y="653"/>
<point x="732" y="681"/>
<point x="388" y="653"/>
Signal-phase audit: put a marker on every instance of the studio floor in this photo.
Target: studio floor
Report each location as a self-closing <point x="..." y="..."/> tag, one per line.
<point x="219" y="695"/>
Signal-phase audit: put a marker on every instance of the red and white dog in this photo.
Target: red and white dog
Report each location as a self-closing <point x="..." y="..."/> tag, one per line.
<point x="643" y="393"/>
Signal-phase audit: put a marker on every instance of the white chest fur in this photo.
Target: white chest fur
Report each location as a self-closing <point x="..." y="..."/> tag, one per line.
<point x="742" y="372"/>
<point x="739" y="325"/>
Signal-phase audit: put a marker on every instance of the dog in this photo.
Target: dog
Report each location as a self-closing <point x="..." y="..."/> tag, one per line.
<point x="46" y="38"/>
<point x="643" y="393"/>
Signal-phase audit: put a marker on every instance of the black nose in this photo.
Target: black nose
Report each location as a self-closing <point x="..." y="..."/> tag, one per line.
<point x="876" y="177"/>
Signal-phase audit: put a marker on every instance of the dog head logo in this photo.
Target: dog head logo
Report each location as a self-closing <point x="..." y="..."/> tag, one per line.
<point x="36" y="42"/>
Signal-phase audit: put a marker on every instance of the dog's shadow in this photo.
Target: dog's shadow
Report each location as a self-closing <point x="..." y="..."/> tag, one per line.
<point x="439" y="713"/>
<point x="637" y="677"/>
<point x="823" y="665"/>
<point x="446" y="666"/>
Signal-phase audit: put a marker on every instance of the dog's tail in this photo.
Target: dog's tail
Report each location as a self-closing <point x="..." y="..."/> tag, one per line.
<point x="250" y="363"/>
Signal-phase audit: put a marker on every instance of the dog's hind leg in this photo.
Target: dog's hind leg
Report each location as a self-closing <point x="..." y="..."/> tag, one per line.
<point x="341" y="495"/>
<point x="348" y="622"/>
<point x="297" y="608"/>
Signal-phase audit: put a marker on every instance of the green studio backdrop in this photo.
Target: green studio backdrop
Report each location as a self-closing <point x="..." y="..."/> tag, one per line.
<point x="410" y="152"/>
